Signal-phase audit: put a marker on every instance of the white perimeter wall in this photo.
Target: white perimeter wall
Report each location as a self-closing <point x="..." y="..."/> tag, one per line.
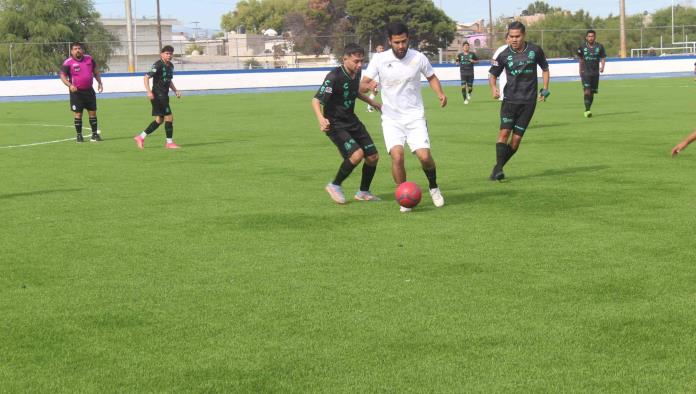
<point x="121" y="83"/>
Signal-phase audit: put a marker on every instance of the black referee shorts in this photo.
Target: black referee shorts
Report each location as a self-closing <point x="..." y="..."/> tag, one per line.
<point x="81" y="100"/>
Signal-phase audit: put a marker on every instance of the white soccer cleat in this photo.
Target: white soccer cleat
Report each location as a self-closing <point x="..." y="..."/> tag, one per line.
<point x="336" y="193"/>
<point x="466" y="101"/>
<point x="438" y="200"/>
<point x="404" y="209"/>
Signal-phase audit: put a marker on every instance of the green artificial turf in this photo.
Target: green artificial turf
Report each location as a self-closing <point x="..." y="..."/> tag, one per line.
<point x="225" y="267"/>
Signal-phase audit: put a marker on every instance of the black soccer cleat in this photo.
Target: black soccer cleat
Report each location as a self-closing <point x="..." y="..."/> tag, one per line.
<point x="95" y="138"/>
<point x="79" y="138"/>
<point x="497" y="174"/>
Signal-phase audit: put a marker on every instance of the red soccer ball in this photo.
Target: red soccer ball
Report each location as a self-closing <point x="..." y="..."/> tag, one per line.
<point x="408" y="194"/>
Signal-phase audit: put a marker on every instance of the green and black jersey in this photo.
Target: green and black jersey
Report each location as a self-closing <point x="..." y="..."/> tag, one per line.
<point x="338" y="94"/>
<point x="521" y="70"/>
<point x="592" y="56"/>
<point x="466" y="63"/>
<point x="161" y="74"/>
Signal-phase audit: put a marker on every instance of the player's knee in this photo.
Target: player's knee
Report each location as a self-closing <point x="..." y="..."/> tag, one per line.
<point x="372" y="159"/>
<point x="356" y="156"/>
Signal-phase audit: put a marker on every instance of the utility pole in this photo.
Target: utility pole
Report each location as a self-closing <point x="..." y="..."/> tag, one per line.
<point x="159" y="26"/>
<point x="490" y="25"/>
<point x="622" y="26"/>
<point x="129" y="35"/>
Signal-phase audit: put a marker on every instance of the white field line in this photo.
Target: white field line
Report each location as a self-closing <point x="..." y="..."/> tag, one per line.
<point x="36" y="143"/>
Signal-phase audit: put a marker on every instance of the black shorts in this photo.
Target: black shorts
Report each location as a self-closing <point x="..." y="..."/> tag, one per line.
<point x="349" y="139"/>
<point x="83" y="100"/>
<point x="468" y="79"/>
<point x="160" y="106"/>
<point x="516" y="117"/>
<point x="591" y="82"/>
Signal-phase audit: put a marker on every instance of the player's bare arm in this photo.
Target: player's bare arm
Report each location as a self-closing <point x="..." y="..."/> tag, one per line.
<point x="324" y="123"/>
<point x="492" y="82"/>
<point x="370" y="101"/>
<point x="97" y="76"/>
<point x="174" y="89"/>
<point x="546" y="77"/>
<point x="680" y="146"/>
<point x="67" y="82"/>
<point x="435" y="84"/>
<point x="581" y="62"/>
<point x="601" y="65"/>
<point x="150" y="95"/>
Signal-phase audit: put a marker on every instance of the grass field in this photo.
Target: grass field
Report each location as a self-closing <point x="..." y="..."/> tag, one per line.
<point x="225" y="267"/>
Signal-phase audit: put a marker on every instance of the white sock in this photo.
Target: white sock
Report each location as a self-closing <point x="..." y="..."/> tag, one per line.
<point x="143" y="135"/>
<point x="170" y="140"/>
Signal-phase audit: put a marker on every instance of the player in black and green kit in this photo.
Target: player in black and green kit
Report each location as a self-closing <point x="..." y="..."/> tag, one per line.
<point x="592" y="57"/>
<point x="466" y="61"/>
<point x="161" y="74"/>
<point x="338" y="120"/>
<point x="519" y="61"/>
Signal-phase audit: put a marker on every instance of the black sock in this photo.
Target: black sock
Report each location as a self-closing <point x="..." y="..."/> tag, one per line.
<point x="93" y="124"/>
<point x="343" y="171"/>
<point x="151" y="127"/>
<point x="430" y="173"/>
<point x="464" y="92"/>
<point x="588" y="102"/>
<point x="78" y="125"/>
<point x="169" y="129"/>
<point x="509" y="152"/>
<point x="591" y="99"/>
<point x="368" y="172"/>
<point x="500" y="153"/>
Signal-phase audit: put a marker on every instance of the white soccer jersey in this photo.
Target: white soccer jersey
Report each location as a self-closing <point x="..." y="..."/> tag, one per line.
<point x="400" y="83"/>
<point x="502" y="80"/>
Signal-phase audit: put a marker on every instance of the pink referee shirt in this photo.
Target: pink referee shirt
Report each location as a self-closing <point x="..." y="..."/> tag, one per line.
<point x="80" y="72"/>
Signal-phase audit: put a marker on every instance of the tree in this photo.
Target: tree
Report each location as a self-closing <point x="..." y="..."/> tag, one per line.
<point x="258" y="15"/>
<point x="540" y="7"/>
<point x="429" y="27"/>
<point x="40" y="32"/>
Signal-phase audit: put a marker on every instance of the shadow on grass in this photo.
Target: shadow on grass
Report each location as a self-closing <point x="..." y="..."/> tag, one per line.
<point x="563" y="171"/>
<point x="35" y="193"/>
<point x="212" y="143"/>
<point x="615" y="114"/>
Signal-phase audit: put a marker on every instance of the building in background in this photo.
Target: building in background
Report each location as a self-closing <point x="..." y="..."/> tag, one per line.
<point x="146" y="44"/>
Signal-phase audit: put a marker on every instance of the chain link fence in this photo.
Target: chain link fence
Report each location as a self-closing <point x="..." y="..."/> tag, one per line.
<point x="242" y="51"/>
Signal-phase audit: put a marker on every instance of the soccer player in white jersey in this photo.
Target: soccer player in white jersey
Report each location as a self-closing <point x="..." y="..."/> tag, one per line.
<point x="403" y="115"/>
<point x="503" y="78"/>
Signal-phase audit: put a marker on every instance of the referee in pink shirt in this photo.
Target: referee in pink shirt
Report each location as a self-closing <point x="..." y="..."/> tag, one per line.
<point x="77" y="74"/>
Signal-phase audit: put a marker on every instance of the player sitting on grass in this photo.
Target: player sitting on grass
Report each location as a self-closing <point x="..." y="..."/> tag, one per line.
<point x="338" y="120"/>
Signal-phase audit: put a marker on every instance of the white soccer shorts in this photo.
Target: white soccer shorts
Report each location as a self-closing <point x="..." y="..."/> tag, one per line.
<point x="414" y="133"/>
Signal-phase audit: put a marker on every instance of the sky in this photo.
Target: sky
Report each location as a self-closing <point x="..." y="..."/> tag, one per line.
<point x="208" y="12"/>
